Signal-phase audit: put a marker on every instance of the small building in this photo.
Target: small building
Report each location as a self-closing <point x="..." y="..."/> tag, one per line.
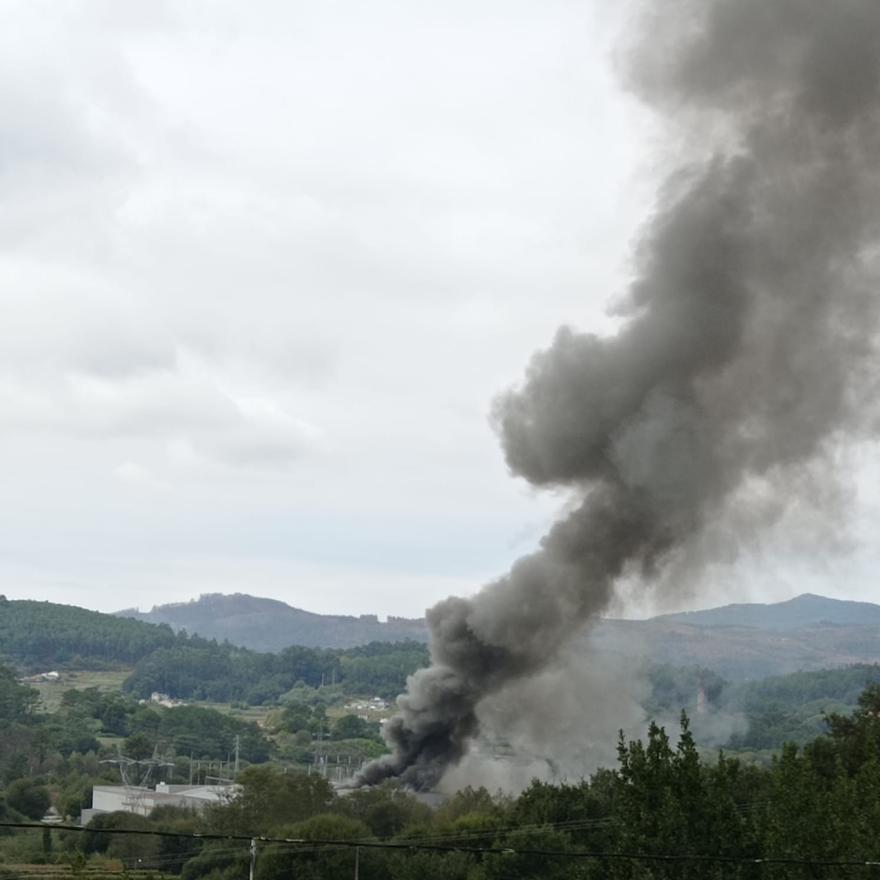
<point x="52" y="817"/>
<point x="160" y="699"/>
<point x="41" y="677"/>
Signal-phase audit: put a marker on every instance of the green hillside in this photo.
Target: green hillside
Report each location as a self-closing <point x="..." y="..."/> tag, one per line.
<point x="739" y="642"/>
<point x="762" y="714"/>
<point x="794" y="708"/>
<point x="39" y="636"/>
<point x="36" y="636"/>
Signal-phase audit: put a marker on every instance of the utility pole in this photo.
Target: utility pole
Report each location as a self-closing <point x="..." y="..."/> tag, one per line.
<point x="253" y="858"/>
<point x="319" y="752"/>
<point x="237" y="749"/>
<point x="357" y="861"/>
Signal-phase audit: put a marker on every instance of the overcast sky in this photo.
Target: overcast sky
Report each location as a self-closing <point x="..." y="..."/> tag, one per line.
<point x="263" y="267"/>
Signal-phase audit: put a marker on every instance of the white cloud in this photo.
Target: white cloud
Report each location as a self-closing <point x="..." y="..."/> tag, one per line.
<point x="136" y="476"/>
<point x="275" y="259"/>
<point x="263" y="435"/>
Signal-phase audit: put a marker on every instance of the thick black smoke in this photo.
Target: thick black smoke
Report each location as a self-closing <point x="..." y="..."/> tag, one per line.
<point x="749" y="349"/>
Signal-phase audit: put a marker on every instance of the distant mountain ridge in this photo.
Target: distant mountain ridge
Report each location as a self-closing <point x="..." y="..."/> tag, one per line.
<point x="807" y="609"/>
<point x="270" y="625"/>
<point x="741" y="641"/>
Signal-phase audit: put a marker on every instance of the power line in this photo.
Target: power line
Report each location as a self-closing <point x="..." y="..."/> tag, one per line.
<point x="566" y="825"/>
<point x="501" y="851"/>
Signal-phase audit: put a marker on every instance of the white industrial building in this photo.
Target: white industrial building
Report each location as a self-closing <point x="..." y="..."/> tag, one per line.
<point x="134" y="799"/>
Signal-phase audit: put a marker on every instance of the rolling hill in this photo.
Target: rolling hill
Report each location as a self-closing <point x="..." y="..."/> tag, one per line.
<point x="740" y="642"/>
<point x="44" y="635"/>
<point x="270" y="625"/>
<point x="739" y="653"/>
<point x="751" y="641"/>
<point x="806" y="610"/>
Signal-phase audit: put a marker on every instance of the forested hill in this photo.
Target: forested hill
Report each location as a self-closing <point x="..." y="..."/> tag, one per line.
<point x="44" y="635"/>
<point x="40" y="636"/>
<point x="738" y="641"/>
<point x="37" y="636"/>
<point x="802" y="611"/>
<point x="269" y="625"/>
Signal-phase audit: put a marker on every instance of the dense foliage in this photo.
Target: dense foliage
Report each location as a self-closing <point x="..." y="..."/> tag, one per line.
<point x="793" y="708"/>
<point x="663" y="800"/>
<point x="219" y="672"/>
<point x="758" y="715"/>
<point x="17" y="702"/>
<point x="821" y="802"/>
<point x="32" y="742"/>
<point x="44" y="635"/>
<point x="39" y="636"/>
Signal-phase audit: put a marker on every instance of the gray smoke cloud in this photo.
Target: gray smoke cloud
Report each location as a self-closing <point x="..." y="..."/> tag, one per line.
<point x="749" y="349"/>
<point x="576" y="707"/>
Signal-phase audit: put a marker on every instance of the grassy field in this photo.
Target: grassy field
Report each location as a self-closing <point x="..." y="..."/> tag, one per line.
<point x="111" y="681"/>
<point x="104" y="680"/>
<point x="256" y="714"/>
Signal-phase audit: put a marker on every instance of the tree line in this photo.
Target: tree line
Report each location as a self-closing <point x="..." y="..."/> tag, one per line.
<point x="219" y="672"/>
<point x="36" y="636"/>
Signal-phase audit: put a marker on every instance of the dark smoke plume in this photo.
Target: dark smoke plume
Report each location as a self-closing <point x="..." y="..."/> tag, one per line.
<point x="748" y="352"/>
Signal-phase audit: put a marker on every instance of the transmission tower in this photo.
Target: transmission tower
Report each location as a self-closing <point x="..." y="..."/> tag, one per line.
<point x="136" y="775"/>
